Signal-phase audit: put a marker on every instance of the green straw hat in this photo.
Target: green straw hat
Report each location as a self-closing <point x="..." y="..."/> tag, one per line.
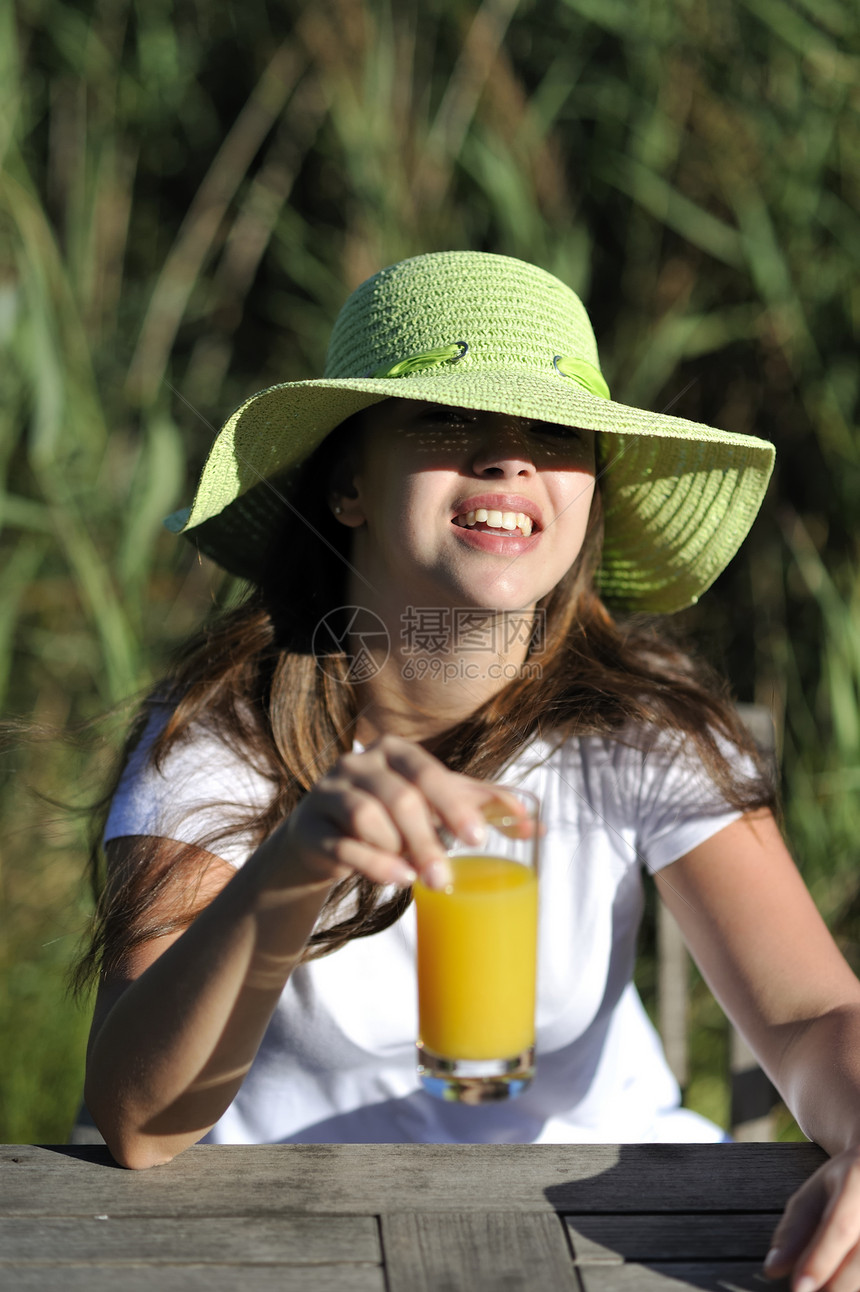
<point x="488" y="332"/>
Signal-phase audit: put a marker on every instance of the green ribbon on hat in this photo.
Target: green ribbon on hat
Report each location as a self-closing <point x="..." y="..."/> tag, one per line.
<point x="582" y="372"/>
<point x="579" y="370"/>
<point x="418" y="362"/>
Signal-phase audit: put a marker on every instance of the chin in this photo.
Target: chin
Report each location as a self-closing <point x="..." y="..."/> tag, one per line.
<point x="491" y="593"/>
<point x="511" y="604"/>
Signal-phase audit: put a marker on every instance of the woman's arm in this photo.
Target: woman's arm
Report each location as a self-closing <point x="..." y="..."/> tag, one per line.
<point x="174" y="1037"/>
<point x="767" y="955"/>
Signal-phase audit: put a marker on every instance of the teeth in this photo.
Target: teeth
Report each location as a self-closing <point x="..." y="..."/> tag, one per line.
<point x="507" y="520"/>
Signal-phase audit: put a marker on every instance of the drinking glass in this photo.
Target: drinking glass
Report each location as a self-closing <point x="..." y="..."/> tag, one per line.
<point x="477" y="954"/>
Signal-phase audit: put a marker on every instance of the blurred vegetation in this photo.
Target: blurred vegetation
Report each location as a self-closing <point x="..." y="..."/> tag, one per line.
<point x="188" y="192"/>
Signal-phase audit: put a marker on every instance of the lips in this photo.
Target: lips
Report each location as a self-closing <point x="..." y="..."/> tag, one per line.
<point x="499" y="514"/>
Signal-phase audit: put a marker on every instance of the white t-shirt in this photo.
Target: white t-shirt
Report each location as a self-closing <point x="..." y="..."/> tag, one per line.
<point x="337" y="1063"/>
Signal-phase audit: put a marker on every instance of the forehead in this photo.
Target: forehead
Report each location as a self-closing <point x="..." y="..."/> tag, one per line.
<point x="417" y="435"/>
<point x="397" y="413"/>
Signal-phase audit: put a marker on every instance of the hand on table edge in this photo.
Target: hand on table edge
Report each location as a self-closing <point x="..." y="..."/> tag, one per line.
<point x="817" y="1241"/>
<point x="774" y="967"/>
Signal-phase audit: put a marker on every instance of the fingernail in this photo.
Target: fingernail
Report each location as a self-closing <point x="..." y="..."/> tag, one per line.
<point x="805" y="1284"/>
<point x="438" y="874"/>
<point x="405" y="876"/>
<point x="475" y="832"/>
<point x="773" y="1257"/>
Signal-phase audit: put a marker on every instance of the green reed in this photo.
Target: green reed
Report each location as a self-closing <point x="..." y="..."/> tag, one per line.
<point x="186" y="194"/>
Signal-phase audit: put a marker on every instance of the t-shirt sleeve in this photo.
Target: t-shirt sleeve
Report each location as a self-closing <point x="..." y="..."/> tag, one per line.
<point x="201" y="789"/>
<point x="675" y="802"/>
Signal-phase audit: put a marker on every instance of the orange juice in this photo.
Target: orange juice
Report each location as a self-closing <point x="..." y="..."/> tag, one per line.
<point x="477" y="951"/>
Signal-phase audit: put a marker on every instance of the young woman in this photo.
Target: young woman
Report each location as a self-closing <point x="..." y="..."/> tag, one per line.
<point x="435" y="533"/>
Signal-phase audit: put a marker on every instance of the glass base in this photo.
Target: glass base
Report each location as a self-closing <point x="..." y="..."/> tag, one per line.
<point x="475" y="1081"/>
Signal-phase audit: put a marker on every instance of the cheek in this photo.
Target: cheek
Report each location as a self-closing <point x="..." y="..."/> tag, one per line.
<point x="396" y="510"/>
<point x="578" y="493"/>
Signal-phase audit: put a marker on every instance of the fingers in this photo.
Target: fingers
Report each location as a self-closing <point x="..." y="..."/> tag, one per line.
<point x="375" y="864"/>
<point x="386" y="813"/>
<point x="462" y="805"/>
<point x="795" y="1229"/>
<point x="457" y="800"/>
<point x="818" y="1239"/>
<point x="846" y="1278"/>
<point x="325" y="845"/>
<point x="832" y="1257"/>
<point x="392" y="800"/>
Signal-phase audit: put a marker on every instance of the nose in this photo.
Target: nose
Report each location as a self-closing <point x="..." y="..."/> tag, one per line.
<point x="505" y="451"/>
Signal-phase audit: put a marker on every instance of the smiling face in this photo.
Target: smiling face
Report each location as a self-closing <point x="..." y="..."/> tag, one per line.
<point x="460" y="507"/>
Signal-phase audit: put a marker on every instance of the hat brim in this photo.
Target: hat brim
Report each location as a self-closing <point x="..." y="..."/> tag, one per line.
<point x="679" y="497"/>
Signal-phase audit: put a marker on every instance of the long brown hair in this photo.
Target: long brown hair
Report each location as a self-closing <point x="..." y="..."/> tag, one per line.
<point x="252" y="677"/>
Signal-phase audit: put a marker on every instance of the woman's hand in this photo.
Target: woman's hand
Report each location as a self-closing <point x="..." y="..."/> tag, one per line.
<point x="817" y="1241"/>
<point x="379" y="813"/>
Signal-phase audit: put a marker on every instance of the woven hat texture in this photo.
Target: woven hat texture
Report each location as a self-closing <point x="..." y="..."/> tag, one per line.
<point x="679" y="497"/>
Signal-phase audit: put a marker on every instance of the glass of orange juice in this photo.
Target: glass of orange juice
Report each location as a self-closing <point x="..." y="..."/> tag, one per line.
<point x="477" y="954"/>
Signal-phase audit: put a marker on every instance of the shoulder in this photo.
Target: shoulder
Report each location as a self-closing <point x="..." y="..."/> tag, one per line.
<point x="202" y="752"/>
<point x="640" y="759"/>
<point x="642" y="785"/>
<point x="627" y="760"/>
<point x="579" y="776"/>
<point x="201" y="788"/>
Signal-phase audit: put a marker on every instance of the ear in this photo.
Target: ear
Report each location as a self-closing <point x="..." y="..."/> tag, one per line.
<point x="343" y="498"/>
<point x="344" y="447"/>
<point x="347" y="508"/>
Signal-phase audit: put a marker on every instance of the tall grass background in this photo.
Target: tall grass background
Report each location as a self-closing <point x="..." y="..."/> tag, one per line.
<point x="188" y="192"/>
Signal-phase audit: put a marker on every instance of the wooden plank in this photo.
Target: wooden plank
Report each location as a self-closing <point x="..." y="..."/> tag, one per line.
<point x="615" y="1239"/>
<point x="515" y="1252"/>
<point x="367" y="1179"/>
<point x="194" y="1278"/>
<point x="728" y="1276"/>
<point x="198" y="1240"/>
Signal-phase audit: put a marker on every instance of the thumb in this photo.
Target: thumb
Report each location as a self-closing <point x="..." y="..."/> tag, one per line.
<point x="794" y="1231"/>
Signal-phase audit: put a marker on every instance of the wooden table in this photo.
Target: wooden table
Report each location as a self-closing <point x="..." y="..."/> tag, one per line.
<point x="397" y="1218"/>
